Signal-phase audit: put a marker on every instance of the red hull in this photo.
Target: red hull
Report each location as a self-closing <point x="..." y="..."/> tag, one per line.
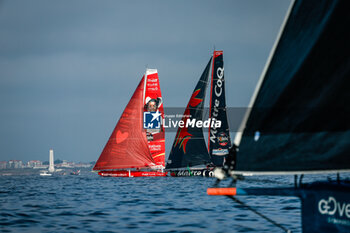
<point x="124" y="173"/>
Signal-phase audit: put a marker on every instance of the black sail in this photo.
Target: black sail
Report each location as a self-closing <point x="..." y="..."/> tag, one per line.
<point x="300" y="118"/>
<point x="189" y="147"/>
<point x="219" y="137"/>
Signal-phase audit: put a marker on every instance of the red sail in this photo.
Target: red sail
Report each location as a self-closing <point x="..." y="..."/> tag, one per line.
<point x="127" y="147"/>
<point x="153" y="102"/>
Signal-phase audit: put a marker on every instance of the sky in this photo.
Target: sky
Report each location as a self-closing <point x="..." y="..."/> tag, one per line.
<point x="68" y="68"/>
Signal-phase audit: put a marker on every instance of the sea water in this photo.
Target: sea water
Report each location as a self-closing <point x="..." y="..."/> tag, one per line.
<point x="90" y="203"/>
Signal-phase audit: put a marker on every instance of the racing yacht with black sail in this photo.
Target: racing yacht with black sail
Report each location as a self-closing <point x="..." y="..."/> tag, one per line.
<point x="298" y="119"/>
<point x="189" y="155"/>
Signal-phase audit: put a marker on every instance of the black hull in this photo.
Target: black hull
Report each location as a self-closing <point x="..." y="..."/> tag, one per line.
<point x="191" y="173"/>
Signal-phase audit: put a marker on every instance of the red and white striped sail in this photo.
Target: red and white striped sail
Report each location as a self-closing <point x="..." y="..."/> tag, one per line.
<point x="127" y="147"/>
<point x="153" y="102"/>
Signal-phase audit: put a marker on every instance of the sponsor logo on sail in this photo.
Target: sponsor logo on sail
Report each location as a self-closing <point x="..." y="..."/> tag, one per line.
<point x="216" y="102"/>
<point x="222" y="139"/>
<point x="334" y="210"/>
<point x="149" y="137"/>
<point x="220" y="151"/>
<point x="155" y="147"/>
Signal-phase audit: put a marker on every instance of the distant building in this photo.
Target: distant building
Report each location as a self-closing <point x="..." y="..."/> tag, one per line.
<point x="86" y="165"/>
<point x="3" y="164"/>
<point x="37" y="164"/>
<point x="66" y="164"/>
<point x="15" y="164"/>
<point x="41" y="167"/>
<point x="34" y="163"/>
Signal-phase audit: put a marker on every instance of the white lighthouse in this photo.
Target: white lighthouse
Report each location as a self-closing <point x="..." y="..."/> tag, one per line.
<point x="52" y="165"/>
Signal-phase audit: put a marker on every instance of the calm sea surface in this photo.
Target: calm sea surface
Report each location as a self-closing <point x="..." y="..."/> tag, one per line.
<point x="89" y="203"/>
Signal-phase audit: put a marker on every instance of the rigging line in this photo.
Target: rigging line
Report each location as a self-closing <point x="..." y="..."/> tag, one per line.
<point x="260" y="214"/>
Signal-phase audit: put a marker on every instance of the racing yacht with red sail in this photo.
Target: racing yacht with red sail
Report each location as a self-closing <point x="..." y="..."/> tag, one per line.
<point x="134" y="150"/>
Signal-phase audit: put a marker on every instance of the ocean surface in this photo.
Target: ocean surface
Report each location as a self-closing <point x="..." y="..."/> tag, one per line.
<point x="90" y="203"/>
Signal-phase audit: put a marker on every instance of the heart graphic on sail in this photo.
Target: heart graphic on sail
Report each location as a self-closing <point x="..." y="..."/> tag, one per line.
<point x="121" y="136"/>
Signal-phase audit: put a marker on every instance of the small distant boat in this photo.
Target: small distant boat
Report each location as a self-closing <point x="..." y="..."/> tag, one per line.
<point x="45" y="173"/>
<point x="76" y="173"/>
<point x="136" y="147"/>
